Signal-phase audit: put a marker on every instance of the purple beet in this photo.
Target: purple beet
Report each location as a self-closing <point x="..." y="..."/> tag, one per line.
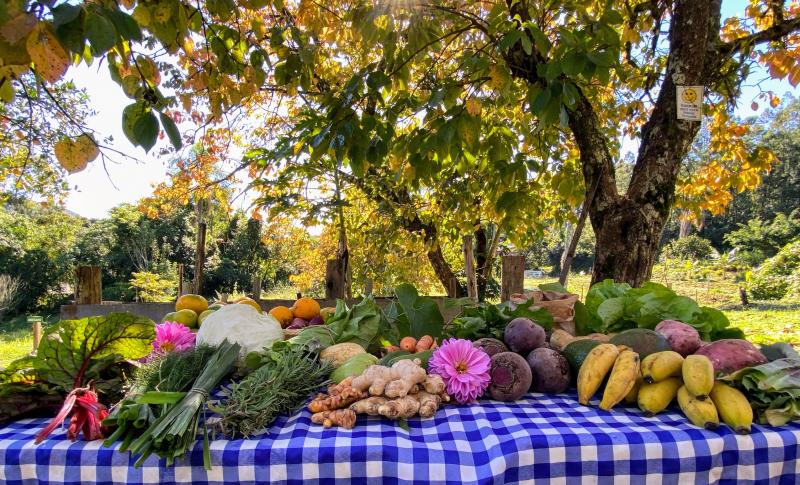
<point x="522" y="335"/>
<point x="298" y="323"/>
<point x="316" y="321"/>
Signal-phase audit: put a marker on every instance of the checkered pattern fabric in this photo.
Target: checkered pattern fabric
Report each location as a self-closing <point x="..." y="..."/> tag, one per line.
<point x="539" y="438"/>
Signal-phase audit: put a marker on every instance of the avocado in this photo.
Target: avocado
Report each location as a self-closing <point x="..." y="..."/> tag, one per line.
<point x="576" y="352"/>
<point x="643" y="341"/>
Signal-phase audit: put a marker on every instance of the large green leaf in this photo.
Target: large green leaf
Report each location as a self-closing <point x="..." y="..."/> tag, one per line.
<point x="171" y="130"/>
<point x="145" y="130"/>
<point x="420" y="315"/>
<point x="74" y="352"/>
<point x="101" y="33"/>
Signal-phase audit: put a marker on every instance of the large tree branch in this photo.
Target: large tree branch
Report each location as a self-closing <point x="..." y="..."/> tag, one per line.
<point x="774" y="33"/>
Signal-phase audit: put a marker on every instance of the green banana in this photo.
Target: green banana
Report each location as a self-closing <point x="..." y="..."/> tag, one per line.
<point x="698" y="376"/>
<point x="654" y="398"/>
<point x="594" y="370"/>
<point x="622" y="379"/>
<point x="700" y="413"/>
<point x="661" y="365"/>
<point x="733" y="407"/>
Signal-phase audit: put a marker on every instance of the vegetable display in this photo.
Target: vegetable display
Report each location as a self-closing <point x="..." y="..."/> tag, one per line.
<point x="241" y="324"/>
<point x="479" y="320"/>
<point x="773" y="388"/>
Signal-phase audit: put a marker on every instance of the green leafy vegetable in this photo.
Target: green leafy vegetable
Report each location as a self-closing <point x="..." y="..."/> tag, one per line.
<point x="772" y="388"/>
<point x="415" y="315"/>
<point x="614" y="307"/>
<point x="478" y="320"/>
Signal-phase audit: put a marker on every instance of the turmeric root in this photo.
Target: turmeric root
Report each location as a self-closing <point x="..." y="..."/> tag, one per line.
<point x="369" y="405"/>
<point x="347" y="383"/>
<point x="400" y="408"/>
<point x="344" y="418"/>
<point x="343" y="398"/>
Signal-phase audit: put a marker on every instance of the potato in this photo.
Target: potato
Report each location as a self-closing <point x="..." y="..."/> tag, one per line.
<point x="730" y="355"/>
<point x="683" y="338"/>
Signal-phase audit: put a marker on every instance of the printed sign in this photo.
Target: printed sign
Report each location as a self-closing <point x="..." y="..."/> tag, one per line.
<point x="690" y="103"/>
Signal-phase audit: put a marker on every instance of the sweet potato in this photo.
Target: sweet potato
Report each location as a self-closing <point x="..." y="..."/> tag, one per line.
<point x="683" y="338"/>
<point x="730" y="355"/>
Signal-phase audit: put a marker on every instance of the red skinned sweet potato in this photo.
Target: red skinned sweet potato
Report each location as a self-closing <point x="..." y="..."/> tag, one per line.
<point x="683" y="338"/>
<point x="730" y="355"/>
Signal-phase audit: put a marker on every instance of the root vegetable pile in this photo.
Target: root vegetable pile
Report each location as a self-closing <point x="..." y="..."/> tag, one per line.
<point x="397" y="392"/>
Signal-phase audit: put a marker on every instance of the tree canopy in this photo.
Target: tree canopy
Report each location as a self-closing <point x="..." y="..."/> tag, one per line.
<point x="452" y="117"/>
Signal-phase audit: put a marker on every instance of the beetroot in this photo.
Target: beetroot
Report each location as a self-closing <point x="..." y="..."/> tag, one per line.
<point x="522" y="335"/>
<point x="511" y="376"/>
<point x="490" y="345"/>
<point x="298" y="323"/>
<point x="729" y="355"/>
<point x="316" y="321"/>
<point x="683" y="338"/>
<point x="549" y="370"/>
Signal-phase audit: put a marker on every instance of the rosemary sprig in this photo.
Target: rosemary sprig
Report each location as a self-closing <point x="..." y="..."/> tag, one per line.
<point x="281" y="385"/>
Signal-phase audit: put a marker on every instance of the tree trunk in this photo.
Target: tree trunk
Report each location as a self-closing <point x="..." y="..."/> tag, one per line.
<point x="482" y="259"/>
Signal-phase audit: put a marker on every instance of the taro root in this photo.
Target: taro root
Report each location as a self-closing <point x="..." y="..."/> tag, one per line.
<point x="522" y="335"/>
<point x="490" y="345"/>
<point x="510" y="376"/>
<point x="549" y="370"/>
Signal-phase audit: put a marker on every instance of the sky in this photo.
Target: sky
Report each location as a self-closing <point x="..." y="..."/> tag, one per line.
<point x="94" y="192"/>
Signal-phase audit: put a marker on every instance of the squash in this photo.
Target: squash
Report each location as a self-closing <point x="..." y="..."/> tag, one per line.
<point x="338" y="354"/>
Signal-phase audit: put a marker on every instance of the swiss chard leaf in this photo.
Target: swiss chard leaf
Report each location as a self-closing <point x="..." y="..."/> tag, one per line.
<point x="74" y="352"/>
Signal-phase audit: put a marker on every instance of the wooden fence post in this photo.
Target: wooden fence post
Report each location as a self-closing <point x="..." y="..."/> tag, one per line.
<point x="513" y="276"/>
<point x="180" y="280"/>
<point x="334" y="279"/>
<point x="469" y="268"/>
<point x="36" y="326"/>
<point x="200" y="261"/>
<point x="257" y="288"/>
<point x="88" y="285"/>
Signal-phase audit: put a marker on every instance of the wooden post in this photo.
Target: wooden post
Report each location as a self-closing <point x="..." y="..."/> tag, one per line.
<point x="257" y="288"/>
<point x="334" y="279"/>
<point x="368" y="287"/>
<point x="180" y="280"/>
<point x="88" y="285"/>
<point x="743" y="296"/>
<point x="513" y="276"/>
<point x="36" y="326"/>
<point x="200" y="261"/>
<point x="469" y="268"/>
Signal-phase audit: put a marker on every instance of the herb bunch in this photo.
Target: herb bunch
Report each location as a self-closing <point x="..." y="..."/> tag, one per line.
<point x="281" y="385"/>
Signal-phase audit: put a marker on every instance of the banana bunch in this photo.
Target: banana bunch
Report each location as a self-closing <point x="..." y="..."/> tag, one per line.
<point x="667" y="376"/>
<point x="620" y="364"/>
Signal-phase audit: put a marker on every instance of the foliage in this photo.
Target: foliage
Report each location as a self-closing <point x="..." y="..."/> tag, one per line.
<point x="778" y="275"/>
<point x="414" y="315"/>
<point x="478" y="320"/>
<point x="613" y="307"/>
<point x="363" y="324"/>
<point x="152" y="287"/>
<point x="760" y="240"/>
<point x="691" y="247"/>
<point x="10" y="293"/>
<point x="772" y="389"/>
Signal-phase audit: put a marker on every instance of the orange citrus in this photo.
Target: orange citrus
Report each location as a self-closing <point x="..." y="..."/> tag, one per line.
<point x="306" y="308"/>
<point x="282" y="314"/>
<point x="249" y="301"/>
<point x="196" y="303"/>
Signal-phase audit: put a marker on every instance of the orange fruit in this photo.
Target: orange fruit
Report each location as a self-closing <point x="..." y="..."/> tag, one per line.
<point x="196" y="303"/>
<point x="282" y="314"/>
<point x="306" y="308"/>
<point x="249" y="301"/>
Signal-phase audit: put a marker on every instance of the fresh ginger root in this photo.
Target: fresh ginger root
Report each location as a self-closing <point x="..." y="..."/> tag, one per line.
<point x="345" y="418"/>
<point x="429" y="403"/>
<point x="343" y="397"/>
<point x="395" y="381"/>
<point x="400" y="408"/>
<point x="433" y="384"/>
<point x="369" y="405"/>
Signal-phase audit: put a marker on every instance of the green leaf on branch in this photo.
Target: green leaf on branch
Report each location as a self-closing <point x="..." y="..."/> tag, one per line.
<point x="101" y="33"/>
<point x="145" y="130"/>
<point x="509" y="40"/>
<point x="172" y="130"/>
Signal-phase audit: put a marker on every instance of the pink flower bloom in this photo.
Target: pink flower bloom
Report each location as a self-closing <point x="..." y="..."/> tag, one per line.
<point x="172" y="337"/>
<point x="464" y="369"/>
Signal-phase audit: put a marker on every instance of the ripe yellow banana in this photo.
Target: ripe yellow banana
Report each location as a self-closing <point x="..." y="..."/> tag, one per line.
<point x="631" y="397"/>
<point x="594" y="370"/>
<point x="700" y="413"/>
<point x="698" y="376"/>
<point x="622" y="379"/>
<point x="660" y="365"/>
<point x="733" y="407"/>
<point x="654" y="398"/>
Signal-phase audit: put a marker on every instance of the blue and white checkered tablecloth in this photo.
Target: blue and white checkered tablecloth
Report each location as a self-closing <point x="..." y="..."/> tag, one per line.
<point x="541" y="437"/>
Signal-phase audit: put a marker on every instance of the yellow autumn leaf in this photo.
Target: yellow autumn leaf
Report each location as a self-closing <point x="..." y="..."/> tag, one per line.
<point x="18" y="27"/>
<point x="74" y="155"/>
<point x="473" y="106"/>
<point x="47" y="54"/>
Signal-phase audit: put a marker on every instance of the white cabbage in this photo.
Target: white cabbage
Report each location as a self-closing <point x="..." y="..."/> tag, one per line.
<point x="242" y="324"/>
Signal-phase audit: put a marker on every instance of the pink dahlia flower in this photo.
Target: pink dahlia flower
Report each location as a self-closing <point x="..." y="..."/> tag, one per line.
<point x="464" y="369"/>
<point x="172" y="337"/>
